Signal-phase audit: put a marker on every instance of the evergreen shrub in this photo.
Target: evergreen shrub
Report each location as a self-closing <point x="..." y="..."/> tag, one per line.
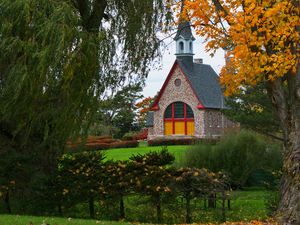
<point x="240" y="155"/>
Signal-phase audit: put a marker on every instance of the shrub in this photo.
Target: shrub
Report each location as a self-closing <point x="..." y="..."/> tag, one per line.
<point x="92" y="143"/>
<point x="91" y="138"/>
<point x="238" y="154"/>
<point x="80" y="177"/>
<point x="164" y="142"/>
<point x="129" y="136"/>
<point x="96" y="146"/>
<point x="142" y="135"/>
<point x="106" y="141"/>
<point x="161" y="158"/>
<point x="124" y="144"/>
<point x="179" y="141"/>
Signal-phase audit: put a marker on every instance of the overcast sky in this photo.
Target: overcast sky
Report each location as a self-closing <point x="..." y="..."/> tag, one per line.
<point x="156" y="77"/>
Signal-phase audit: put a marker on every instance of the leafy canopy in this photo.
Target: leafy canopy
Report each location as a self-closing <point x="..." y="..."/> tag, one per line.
<point x="259" y="37"/>
<point x="58" y="57"/>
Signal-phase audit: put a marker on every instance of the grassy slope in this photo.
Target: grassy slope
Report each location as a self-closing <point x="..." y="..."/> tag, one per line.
<point x="125" y="153"/>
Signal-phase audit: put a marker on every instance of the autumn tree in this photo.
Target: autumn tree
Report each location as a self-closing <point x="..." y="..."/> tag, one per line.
<point x="261" y="39"/>
<point x="143" y="108"/>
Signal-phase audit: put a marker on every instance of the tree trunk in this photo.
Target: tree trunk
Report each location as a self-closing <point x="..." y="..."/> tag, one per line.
<point x="289" y="205"/>
<point x="188" y="209"/>
<point x="7" y="202"/>
<point x="158" y="209"/>
<point x="286" y="99"/>
<point x="59" y="209"/>
<point x="212" y="201"/>
<point x="223" y="207"/>
<point x="122" y="208"/>
<point x="92" y="207"/>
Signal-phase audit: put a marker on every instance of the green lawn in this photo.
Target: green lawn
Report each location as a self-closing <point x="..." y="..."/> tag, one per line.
<point x="246" y="205"/>
<point x="125" y="153"/>
<point x="35" y="220"/>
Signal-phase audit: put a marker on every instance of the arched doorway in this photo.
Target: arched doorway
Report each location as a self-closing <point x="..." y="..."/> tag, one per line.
<point x="179" y="119"/>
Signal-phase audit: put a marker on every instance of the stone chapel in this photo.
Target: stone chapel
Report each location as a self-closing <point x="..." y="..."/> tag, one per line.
<point x="190" y="100"/>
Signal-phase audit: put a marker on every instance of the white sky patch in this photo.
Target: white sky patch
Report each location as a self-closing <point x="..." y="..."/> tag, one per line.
<point x="156" y="78"/>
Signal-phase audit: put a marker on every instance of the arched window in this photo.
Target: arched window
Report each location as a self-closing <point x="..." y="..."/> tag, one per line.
<point x="181" y="46"/>
<point x="191" y="47"/>
<point x="179" y="119"/>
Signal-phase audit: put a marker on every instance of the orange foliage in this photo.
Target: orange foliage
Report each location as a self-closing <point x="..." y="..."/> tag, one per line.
<point x="143" y="108"/>
<point x="260" y="37"/>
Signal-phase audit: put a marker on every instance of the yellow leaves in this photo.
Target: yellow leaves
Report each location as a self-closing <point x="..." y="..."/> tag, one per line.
<point x="256" y="108"/>
<point x="65" y="191"/>
<point x="167" y="189"/>
<point x="259" y="34"/>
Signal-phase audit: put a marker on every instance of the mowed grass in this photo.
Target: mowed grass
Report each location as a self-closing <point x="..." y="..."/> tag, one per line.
<point x="36" y="220"/>
<point x="246" y="205"/>
<point x="125" y="153"/>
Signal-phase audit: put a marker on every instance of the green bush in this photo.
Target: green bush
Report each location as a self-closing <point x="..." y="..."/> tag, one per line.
<point x="124" y="144"/>
<point x="240" y="155"/>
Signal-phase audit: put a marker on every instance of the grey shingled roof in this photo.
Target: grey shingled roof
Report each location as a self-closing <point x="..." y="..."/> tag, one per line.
<point x="184" y="30"/>
<point x="149" y="119"/>
<point x="205" y="83"/>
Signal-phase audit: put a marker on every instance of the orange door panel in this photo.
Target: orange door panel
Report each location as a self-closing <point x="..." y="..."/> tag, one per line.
<point x="179" y="127"/>
<point x="190" y="128"/>
<point x="168" y="128"/>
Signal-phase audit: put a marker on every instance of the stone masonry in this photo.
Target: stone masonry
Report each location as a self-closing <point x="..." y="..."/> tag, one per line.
<point x="173" y="93"/>
<point x="209" y="123"/>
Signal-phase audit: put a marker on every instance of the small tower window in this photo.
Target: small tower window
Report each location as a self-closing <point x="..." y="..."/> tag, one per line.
<point x="181" y="46"/>
<point x="191" y="46"/>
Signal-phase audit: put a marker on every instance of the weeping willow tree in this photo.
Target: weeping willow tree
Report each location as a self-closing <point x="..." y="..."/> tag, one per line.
<point x="57" y="57"/>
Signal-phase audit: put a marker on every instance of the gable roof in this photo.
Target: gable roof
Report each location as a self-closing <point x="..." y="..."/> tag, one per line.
<point x="203" y="80"/>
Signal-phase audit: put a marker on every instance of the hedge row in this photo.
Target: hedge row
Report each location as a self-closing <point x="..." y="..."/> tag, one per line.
<point x="180" y="141"/>
<point x="141" y="135"/>
<point x="100" y="143"/>
<point x="124" y="144"/>
<point x="85" y="177"/>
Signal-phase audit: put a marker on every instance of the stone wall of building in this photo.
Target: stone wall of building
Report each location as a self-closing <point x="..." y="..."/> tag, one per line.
<point x="150" y="131"/>
<point x="216" y="124"/>
<point x="173" y="93"/>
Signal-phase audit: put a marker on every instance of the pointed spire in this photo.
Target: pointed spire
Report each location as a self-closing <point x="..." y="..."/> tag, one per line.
<point x="184" y="39"/>
<point x="184" y="26"/>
